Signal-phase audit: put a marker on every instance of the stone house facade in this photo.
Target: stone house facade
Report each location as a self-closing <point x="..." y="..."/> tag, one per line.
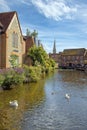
<point x="73" y="57"/>
<point x="85" y="58"/>
<point x="11" y="39"/>
<point x="54" y="56"/>
<point x="70" y="58"/>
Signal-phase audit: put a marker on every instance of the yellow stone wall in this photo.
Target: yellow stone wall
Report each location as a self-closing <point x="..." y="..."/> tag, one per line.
<point x="14" y="27"/>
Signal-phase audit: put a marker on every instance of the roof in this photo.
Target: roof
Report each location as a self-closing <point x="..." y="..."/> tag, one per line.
<point x="79" y="51"/>
<point x="5" y="19"/>
<point x="1" y="26"/>
<point x="85" y="55"/>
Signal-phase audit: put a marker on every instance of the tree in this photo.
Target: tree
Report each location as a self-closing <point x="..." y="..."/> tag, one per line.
<point x="28" y="33"/>
<point x="38" y="55"/>
<point x="34" y="34"/>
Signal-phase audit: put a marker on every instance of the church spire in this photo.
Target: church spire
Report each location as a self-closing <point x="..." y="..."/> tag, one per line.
<point x="54" y="47"/>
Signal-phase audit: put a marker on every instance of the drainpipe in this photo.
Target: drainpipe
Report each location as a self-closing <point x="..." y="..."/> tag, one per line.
<point x="0" y="48"/>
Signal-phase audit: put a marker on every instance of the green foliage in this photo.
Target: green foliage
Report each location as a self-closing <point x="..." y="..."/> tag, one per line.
<point x="1" y="80"/>
<point x="12" y="78"/>
<point x="40" y="58"/>
<point x="52" y="62"/>
<point x="38" y="55"/>
<point x="28" y="33"/>
<point x="13" y="61"/>
<point x="32" y="74"/>
<point x="34" y="33"/>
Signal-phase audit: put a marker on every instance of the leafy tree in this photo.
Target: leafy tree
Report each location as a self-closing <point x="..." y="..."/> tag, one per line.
<point x="34" y="34"/>
<point x="28" y="33"/>
<point x="38" y="55"/>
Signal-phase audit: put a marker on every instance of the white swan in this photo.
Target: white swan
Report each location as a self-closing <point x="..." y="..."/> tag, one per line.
<point x="13" y="103"/>
<point x="67" y="96"/>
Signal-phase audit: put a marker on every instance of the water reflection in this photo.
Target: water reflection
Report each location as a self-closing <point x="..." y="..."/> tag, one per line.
<point x="56" y="113"/>
<point x="43" y="106"/>
<point x="27" y="96"/>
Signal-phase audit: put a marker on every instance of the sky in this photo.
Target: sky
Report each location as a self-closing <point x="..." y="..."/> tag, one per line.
<point x="64" y="21"/>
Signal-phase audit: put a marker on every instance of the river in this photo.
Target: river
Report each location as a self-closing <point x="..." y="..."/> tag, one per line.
<point x="43" y="106"/>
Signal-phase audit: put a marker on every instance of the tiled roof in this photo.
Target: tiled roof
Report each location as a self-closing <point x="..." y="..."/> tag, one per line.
<point x="1" y="26"/>
<point x="85" y="54"/>
<point x="79" y="51"/>
<point x="5" y="19"/>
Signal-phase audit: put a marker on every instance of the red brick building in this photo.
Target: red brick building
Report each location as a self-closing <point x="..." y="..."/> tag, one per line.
<point x="70" y="58"/>
<point x="73" y="57"/>
<point x="29" y="42"/>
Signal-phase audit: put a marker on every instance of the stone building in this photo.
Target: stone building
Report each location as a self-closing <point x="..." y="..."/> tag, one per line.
<point x="54" y="47"/>
<point x="54" y="55"/>
<point x="85" y="58"/>
<point x="11" y="40"/>
<point x="73" y="57"/>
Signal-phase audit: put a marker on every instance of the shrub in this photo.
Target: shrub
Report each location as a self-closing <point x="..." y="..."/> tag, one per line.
<point x="1" y="80"/>
<point x="32" y="74"/>
<point x="12" y="77"/>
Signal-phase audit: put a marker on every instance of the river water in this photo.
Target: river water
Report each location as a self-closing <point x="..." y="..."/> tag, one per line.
<point x="43" y="106"/>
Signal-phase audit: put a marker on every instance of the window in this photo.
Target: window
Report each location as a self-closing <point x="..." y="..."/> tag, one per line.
<point x="14" y="40"/>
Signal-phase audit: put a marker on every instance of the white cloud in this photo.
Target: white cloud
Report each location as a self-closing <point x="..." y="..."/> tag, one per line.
<point x="56" y="10"/>
<point x="26" y="2"/>
<point x="82" y="13"/>
<point x="4" y="6"/>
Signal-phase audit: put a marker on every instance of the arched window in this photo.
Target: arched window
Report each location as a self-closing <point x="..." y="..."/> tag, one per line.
<point x="14" y="40"/>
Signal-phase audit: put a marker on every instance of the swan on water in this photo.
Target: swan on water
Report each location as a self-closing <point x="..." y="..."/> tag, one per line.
<point x="14" y="103"/>
<point x="67" y="96"/>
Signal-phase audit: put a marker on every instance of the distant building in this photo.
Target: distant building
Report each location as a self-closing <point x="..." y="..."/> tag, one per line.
<point x="54" y="55"/>
<point x="85" y="58"/>
<point x="29" y="42"/>
<point x="54" y="47"/>
<point x="73" y="57"/>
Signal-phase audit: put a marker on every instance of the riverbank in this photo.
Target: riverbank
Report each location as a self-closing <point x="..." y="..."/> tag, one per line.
<point x="78" y="67"/>
<point x="15" y="76"/>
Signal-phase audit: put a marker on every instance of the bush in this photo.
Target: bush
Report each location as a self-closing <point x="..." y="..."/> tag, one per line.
<point x="1" y="80"/>
<point x="32" y="74"/>
<point x="12" y="77"/>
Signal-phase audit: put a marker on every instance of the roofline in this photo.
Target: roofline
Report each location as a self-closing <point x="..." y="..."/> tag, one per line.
<point x="18" y="22"/>
<point x="7" y="12"/>
<point x="74" y="49"/>
<point x="12" y="18"/>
